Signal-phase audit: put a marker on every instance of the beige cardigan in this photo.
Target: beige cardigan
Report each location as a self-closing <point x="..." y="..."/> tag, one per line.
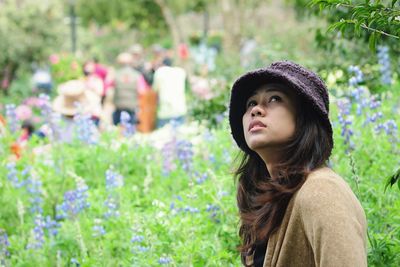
<point x="324" y="225"/>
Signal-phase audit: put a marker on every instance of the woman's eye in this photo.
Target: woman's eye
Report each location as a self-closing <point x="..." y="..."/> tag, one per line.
<point x="251" y="103"/>
<point x="275" y="98"/>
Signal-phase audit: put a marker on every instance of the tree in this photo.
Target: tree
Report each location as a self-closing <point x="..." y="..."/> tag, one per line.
<point x="28" y="32"/>
<point x="371" y="21"/>
<point x="142" y="15"/>
<point x="377" y="19"/>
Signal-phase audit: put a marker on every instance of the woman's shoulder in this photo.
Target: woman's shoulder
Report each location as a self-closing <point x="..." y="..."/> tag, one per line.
<point x="324" y="188"/>
<point x="325" y="180"/>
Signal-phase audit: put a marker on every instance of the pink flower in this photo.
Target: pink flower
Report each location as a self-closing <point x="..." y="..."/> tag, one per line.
<point x="33" y="102"/>
<point x="201" y="88"/>
<point x="54" y="59"/>
<point x="74" y="65"/>
<point x="23" y="112"/>
<point x="36" y="119"/>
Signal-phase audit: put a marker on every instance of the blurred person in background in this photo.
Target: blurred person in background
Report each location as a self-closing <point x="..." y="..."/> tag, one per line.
<point x="73" y="98"/>
<point x="170" y="84"/>
<point x="140" y="65"/>
<point x="42" y="81"/>
<point x="101" y="71"/>
<point x="125" y="88"/>
<point x="92" y="81"/>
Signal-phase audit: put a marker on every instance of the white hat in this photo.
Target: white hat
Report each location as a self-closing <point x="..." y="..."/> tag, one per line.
<point x="125" y="58"/>
<point x="74" y="97"/>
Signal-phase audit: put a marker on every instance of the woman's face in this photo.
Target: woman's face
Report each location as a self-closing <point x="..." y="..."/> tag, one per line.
<point x="270" y="119"/>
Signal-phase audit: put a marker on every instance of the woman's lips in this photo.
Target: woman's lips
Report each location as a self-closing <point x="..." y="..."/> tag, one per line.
<point x="256" y="125"/>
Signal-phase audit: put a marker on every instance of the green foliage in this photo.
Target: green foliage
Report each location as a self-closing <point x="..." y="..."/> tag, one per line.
<point x="65" y="67"/>
<point x="151" y="204"/>
<point x="366" y="161"/>
<point x="352" y="26"/>
<point x="395" y="178"/>
<point x="29" y="30"/>
<point x="374" y="19"/>
<point x="143" y="16"/>
<point x="19" y="90"/>
<point x="210" y="111"/>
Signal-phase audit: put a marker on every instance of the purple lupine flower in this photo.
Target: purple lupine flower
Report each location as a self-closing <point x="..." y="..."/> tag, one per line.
<point x="33" y="185"/>
<point x="164" y="260"/>
<point x="375" y="117"/>
<point x="34" y="188"/>
<point x="221" y="194"/>
<point x="52" y="226"/>
<point x="168" y="155"/>
<point x="345" y="121"/>
<point x="82" y="194"/>
<point x="4" y="244"/>
<point x="208" y="136"/>
<point x="358" y="92"/>
<point x="185" y="154"/>
<point x="357" y="77"/>
<point x="51" y="118"/>
<point x="86" y="130"/>
<point x="98" y="229"/>
<point x="219" y="118"/>
<point x="12" y="119"/>
<point x="201" y="178"/>
<point x="172" y="205"/>
<point x="227" y="156"/>
<point x="137" y="239"/>
<point x="75" y="262"/>
<point x="45" y="106"/>
<point x="211" y="207"/>
<point x="38" y="233"/>
<point x="74" y="202"/>
<point x="139" y="248"/>
<point x="56" y="131"/>
<point x="374" y="103"/>
<point x="112" y="205"/>
<point x="113" y="179"/>
<point x="389" y="127"/>
<point x="12" y="174"/>
<point x="213" y="210"/>
<point x="191" y="209"/>
<point x="186" y="209"/>
<point x="137" y="242"/>
<point x="128" y="127"/>
<point x="359" y="95"/>
<point x="384" y="61"/>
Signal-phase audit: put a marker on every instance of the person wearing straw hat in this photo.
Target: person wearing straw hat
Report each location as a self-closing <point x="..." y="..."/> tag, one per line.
<point x="294" y="209"/>
<point x="74" y="98"/>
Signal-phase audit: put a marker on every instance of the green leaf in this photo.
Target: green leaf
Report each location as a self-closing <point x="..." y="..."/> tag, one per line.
<point x="393" y="179"/>
<point x="357" y="28"/>
<point x="372" y="42"/>
<point x="335" y="26"/>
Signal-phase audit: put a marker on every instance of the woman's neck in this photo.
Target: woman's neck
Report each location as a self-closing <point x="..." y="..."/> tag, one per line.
<point x="271" y="159"/>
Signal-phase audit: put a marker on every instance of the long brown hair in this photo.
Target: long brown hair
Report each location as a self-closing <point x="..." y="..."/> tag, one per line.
<point x="262" y="202"/>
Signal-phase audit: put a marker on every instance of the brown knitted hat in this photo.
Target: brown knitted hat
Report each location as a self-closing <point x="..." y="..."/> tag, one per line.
<point x="305" y="82"/>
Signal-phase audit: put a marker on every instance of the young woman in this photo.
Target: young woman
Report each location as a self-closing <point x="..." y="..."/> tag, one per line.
<point x="294" y="210"/>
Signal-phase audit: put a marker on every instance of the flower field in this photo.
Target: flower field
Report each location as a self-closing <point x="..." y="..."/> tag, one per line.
<point x="119" y="198"/>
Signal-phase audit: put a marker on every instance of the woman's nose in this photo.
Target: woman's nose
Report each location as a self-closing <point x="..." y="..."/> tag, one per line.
<point x="257" y="111"/>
